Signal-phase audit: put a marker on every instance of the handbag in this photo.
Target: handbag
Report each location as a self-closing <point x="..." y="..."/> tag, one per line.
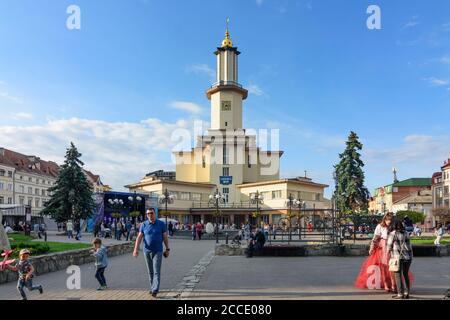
<point x="394" y="263"/>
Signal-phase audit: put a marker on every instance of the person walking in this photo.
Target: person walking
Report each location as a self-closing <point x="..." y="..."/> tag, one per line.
<point x="77" y="229"/>
<point x="439" y="233"/>
<point x="153" y="232"/>
<point x="170" y="228"/>
<point x="194" y="232"/>
<point x="400" y="249"/>
<point x="199" y="230"/>
<point x="128" y="226"/>
<point x="69" y="228"/>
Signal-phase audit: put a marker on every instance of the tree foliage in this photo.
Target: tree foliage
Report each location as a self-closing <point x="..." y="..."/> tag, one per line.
<point x="416" y="217"/>
<point x="71" y="196"/>
<point x="351" y="195"/>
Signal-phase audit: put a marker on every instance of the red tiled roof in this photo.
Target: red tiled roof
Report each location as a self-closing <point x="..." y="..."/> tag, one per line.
<point x="30" y="164"/>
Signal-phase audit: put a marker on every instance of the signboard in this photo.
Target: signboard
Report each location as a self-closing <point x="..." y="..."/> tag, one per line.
<point x="226" y="180"/>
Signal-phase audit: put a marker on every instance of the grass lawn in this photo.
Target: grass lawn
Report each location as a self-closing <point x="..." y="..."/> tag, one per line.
<point x="429" y="240"/>
<point x="19" y="238"/>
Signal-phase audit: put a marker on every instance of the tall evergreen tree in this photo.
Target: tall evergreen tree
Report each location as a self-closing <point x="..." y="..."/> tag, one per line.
<point x="71" y="196"/>
<point x="351" y="195"/>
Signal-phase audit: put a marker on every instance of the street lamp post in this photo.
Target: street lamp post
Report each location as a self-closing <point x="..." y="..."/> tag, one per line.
<point x="116" y="205"/>
<point x="257" y="199"/>
<point x="135" y="201"/>
<point x="300" y="205"/>
<point x="291" y="201"/>
<point x="166" y="198"/>
<point x="216" y="199"/>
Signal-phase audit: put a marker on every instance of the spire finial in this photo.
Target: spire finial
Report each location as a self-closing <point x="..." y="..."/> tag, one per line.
<point x="227" y="40"/>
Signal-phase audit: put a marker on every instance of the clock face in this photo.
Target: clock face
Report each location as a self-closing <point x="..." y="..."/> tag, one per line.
<point x="226" y="105"/>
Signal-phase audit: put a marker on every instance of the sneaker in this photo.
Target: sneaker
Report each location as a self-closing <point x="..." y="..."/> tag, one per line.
<point x="41" y="290"/>
<point x="105" y="287"/>
<point x="100" y="288"/>
<point x="406" y="295"/>
<point x="154" y="294"/>
<point x="398" y="296"/>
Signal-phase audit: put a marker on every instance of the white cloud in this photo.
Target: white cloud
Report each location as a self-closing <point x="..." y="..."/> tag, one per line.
<point x="411" y="23"/>
<point x="259" y="2"/>
<point x="7" y="96"/>
<point x="186" y="106"/>
<point x="416" y="150"/>
<point x="255" y="89"/>
<point x="445" y="59"/>
<point x="21" y="116"/>
<point x="202" y="69"/>
<point x="121" y="152"/>
<point x="437" y="82"/>
<point x="446" y="26"/>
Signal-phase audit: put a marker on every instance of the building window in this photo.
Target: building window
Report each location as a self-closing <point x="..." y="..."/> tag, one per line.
<point x="10" y="186"/>
<point x="225" y="171"/>
<point x="248" y="161"/>
<point x="22" y="189"/>
<point x="36" y="203"/>
<point x="21" y="177"/>
<point x="2" y="173"/>
<point x="30" y="201"/>
<point x="9" y="200"/>
<point x="10" y="174"/>
<point x="226" y="192"/>
<point x="2" y="200"/>
<point x="36" y="191"/>
<point x="226" y="105"/>
<point x="276" y="194"/>
<point x="21" y="200"/>
<point x="225" y="155"/>
<point x="174" y="194"/>
<point x="196" y="196"/>
<point x="43" y="192"/>
<point x="184" y="196"/>
<point x="2" y="185"/>
<point x="30" y="190"/>
<point x="226" y="124"/>
<point x="30" y="179"/>
<point x="318" y="197"/>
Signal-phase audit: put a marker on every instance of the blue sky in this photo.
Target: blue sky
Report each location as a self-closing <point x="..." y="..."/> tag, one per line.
<point x="138" y="69"/>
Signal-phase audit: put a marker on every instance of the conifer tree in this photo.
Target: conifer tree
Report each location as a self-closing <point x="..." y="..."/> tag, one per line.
<point x="71" y="196"/>
<point x="351" y="195"/>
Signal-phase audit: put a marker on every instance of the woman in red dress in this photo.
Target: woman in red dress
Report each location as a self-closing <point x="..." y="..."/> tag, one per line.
<point x="374" y="272"/>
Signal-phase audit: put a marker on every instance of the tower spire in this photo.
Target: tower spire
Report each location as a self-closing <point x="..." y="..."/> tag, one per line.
<point x="227" y="43"/>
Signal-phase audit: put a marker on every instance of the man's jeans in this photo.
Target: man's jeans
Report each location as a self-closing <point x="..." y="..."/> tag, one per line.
<point x="154" y="260"/>
<point x="28" y="284"/>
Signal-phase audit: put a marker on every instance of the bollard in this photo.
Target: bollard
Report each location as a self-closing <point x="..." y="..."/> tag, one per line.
<point x="226" y="237"/>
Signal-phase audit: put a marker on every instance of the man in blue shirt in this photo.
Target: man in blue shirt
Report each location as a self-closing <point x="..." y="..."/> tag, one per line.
<point x="153" y="232"/>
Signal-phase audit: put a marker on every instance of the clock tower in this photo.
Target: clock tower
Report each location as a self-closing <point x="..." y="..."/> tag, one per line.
<point x="226" y="94"/>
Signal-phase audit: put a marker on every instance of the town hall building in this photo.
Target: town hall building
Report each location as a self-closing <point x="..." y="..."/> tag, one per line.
<point x="228" y="161"/>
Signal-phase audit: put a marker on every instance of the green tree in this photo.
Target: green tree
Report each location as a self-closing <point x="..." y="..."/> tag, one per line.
<point x="71" y="196"/>
<point x="416" y="217"/>
<point x="351" y="195"/>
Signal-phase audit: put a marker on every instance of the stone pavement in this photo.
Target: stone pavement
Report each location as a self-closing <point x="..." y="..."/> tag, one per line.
<point x="126" y="276"/>
<point x="237" y="277"/>
<point x="194" y="272"/>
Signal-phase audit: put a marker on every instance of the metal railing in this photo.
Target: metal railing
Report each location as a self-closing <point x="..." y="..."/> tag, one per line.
<point x="226" y="83"/>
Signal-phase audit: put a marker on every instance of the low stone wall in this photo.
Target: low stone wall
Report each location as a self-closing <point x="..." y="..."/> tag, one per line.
<point x="348" y="250"/>
<point x="61" y="260"/>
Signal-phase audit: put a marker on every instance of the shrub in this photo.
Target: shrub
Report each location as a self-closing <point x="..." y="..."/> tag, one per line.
<point x="34" y="248"/>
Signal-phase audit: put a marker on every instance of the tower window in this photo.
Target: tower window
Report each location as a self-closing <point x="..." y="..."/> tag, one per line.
<point x="226" y="124"/>
<point x="226" y="171"/>
<point x="226" y="105"/>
